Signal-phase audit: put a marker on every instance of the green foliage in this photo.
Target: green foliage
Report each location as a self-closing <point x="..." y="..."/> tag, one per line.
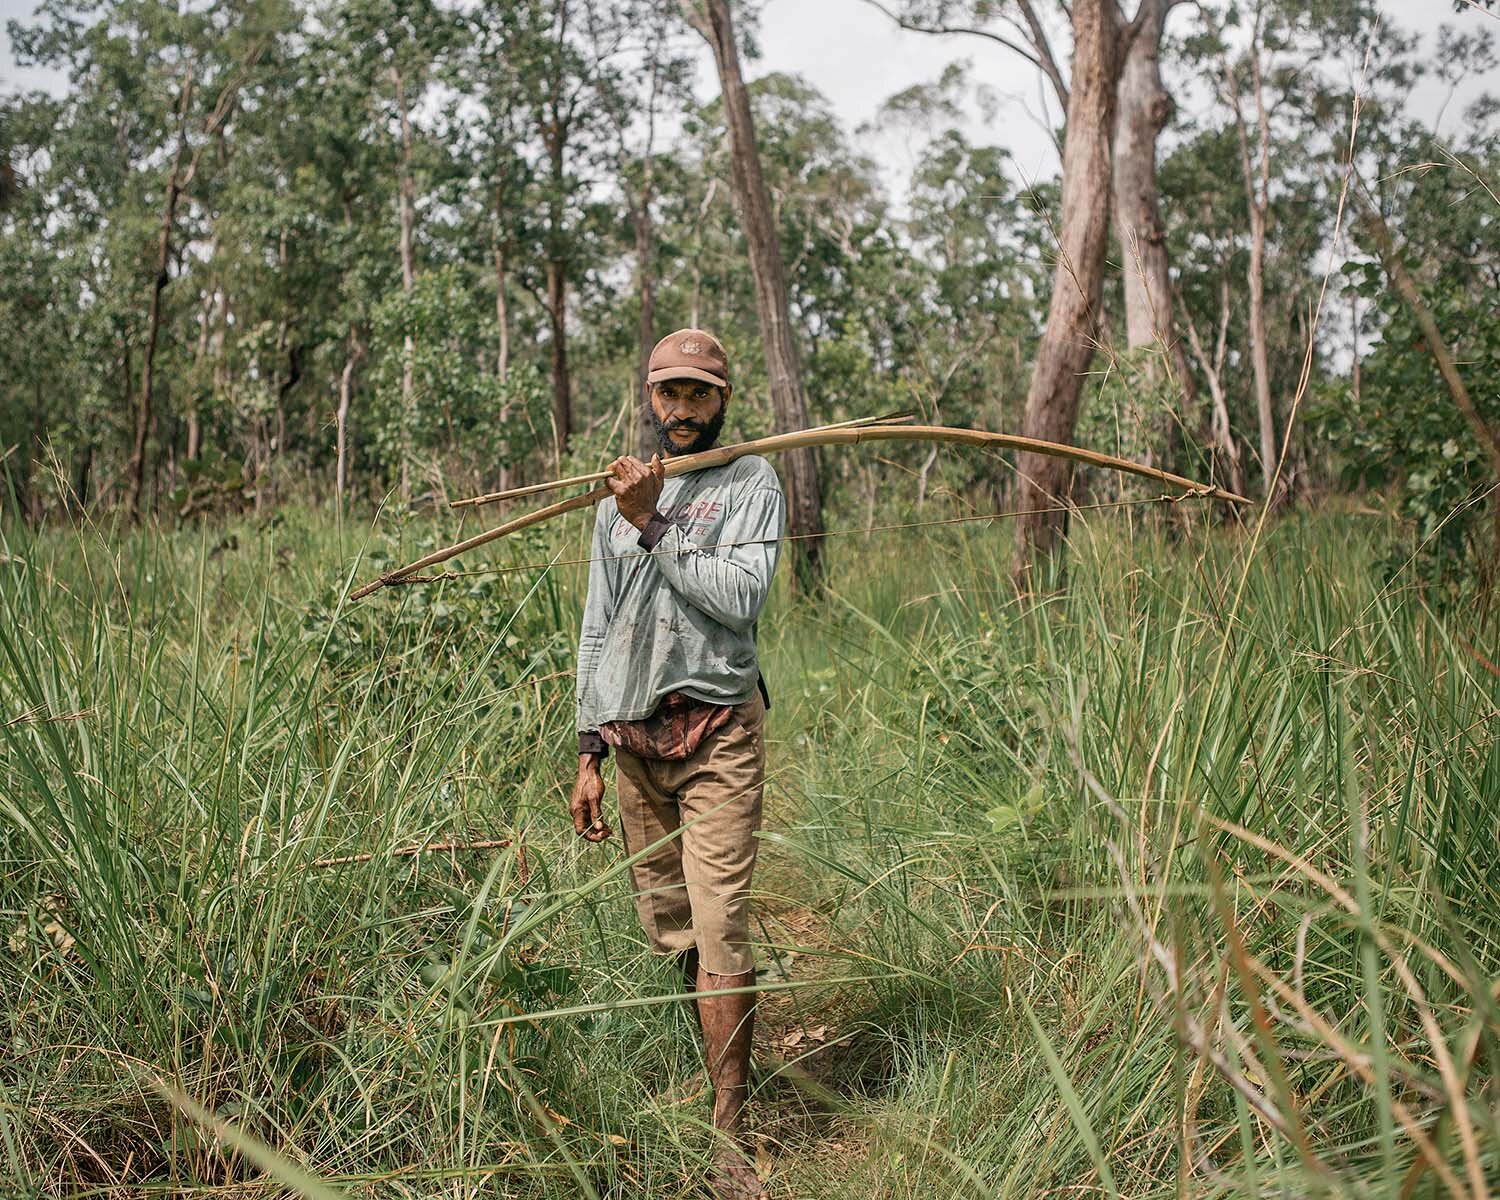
<point x="1402" y="432"/>
<point x="460" y="409"/>
<point x="212" y="483"/>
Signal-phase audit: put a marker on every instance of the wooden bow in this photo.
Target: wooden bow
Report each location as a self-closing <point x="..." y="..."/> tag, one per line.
<point x="829" y="435"/>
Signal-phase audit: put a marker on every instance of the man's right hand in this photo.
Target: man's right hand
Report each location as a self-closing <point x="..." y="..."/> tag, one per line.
<point x="587" y="805"/>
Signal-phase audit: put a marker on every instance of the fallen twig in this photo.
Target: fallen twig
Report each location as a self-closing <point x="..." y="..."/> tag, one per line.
<point x="408" y="851"/>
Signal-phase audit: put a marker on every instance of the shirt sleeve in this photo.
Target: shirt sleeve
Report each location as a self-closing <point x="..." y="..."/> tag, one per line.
<point x="731" y="580"/>
<point x="598" y="609"/>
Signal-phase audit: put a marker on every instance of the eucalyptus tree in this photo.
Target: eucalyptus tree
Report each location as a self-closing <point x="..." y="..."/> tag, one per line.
<point x="152" y="89"/>
<point x="493" y="191"/>
<point x="565" y="55"/>
<point x="391" y="48"/>
<point x="1264" y="60"/>
<point x="1420" y="410"/>
<point x="34" y="296"/>
<point x="715" y="24"/>
<point x="959" y="317"/>
<point x="1157" y="381"/>
<point x="652" y="86"/>
<point x="1067" y="344"/>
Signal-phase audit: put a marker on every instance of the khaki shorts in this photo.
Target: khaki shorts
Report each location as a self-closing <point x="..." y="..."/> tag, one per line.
<point x="694" y="890"/>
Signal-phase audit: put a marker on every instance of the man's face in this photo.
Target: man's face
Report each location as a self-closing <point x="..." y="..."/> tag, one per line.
<point x="688" y="414"/>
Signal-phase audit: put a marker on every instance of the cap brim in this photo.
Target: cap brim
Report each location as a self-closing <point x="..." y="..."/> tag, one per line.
<point x="662" y="374"/>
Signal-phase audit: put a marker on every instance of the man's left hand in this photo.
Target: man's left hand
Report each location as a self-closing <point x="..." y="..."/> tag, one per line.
<point x="637" y="487"/>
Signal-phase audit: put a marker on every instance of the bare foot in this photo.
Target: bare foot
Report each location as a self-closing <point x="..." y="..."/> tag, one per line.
<point x="736" y="1178"/>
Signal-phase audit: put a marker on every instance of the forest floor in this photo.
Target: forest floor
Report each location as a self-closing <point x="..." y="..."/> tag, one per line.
<point x="1180" y="883"/>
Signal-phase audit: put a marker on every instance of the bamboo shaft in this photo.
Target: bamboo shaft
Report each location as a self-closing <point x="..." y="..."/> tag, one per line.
<point x="675" y="466"/>
<point x="829" y="436"/>
<point x="480" y="539"/>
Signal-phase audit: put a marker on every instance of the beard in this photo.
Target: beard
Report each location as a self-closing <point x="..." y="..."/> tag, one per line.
<point x="708" y="432"/>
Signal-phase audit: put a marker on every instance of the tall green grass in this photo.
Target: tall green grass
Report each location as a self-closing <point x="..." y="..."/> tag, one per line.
<point x="1128" y="892"/>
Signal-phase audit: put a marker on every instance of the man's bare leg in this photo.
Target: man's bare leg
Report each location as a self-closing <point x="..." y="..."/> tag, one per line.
<point x="728" y="1023"/>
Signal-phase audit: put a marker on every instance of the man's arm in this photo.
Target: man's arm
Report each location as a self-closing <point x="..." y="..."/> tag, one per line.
<point x="598" y="608"/>
<point x="731" y="582"/>
<point x="587" y="801"/>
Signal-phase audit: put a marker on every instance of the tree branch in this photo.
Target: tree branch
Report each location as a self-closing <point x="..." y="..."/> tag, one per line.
<point x="1039" y="56"/>
<point x="1048" y="61"/>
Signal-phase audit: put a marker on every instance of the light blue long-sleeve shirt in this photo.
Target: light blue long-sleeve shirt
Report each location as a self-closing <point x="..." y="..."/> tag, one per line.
<point x="681" y="615"/>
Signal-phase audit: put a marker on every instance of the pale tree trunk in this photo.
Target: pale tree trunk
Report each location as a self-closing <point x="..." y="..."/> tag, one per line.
<point x="789" y="401"/>
<point x="220" y="349"/>
<point x="353" y="354"/>
<point x="1068" y="343"/>
<point x="557" y="315"/>
<point x="1486" y="437"/>
<point x="502" y="314"/>
<point x="502" y="325"/>
<point x="406" y="190"/>
<point x="695" y="304"/>
<point x="1226" y="449"/>
<point x="352" y="359"/>
<point x="200" y="358"/>
<point x="1144" y="107"/>
<point x="1257" y="177"/>
<point x="645" y="437"/>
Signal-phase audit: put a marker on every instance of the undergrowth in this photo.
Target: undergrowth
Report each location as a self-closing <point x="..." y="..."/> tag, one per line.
<point x="1139" y="890"/>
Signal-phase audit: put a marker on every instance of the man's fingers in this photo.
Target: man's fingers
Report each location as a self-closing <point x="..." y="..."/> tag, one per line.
<point x="578" y="819"/>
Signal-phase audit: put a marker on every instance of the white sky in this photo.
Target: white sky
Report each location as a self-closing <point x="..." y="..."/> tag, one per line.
<point x="858" y="58"/>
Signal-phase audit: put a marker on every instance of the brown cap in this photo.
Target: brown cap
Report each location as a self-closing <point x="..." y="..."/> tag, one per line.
<point x="689" y="354"/>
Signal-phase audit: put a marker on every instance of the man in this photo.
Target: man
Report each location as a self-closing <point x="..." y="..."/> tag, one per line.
<point x="668" y="676"/>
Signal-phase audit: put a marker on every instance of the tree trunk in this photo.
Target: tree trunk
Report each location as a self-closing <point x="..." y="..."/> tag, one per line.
<point x="1144" y="107"/>
<point x="81" y="473"/>
<point x="219" y="347"/>
<point x="1226" y="450"/>
<point x="645" y="437"/>
<point x="555" y="130"/>
<point x="1257" y="177"/>
<point x="804" y="496"/>
<point x="136" y="470"/>
<point x="502" y="315"/>
<point x="406" y="191"/>
<point x="352" y="358"/>
<point x="557" y="314"/>
<point x="1067" y="345"/>
<point x="178" y="179"/>
<point x="200" y="360"/>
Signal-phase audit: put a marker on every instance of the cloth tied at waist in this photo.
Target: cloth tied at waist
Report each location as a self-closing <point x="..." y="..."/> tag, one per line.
<point x="673" y="731"/>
